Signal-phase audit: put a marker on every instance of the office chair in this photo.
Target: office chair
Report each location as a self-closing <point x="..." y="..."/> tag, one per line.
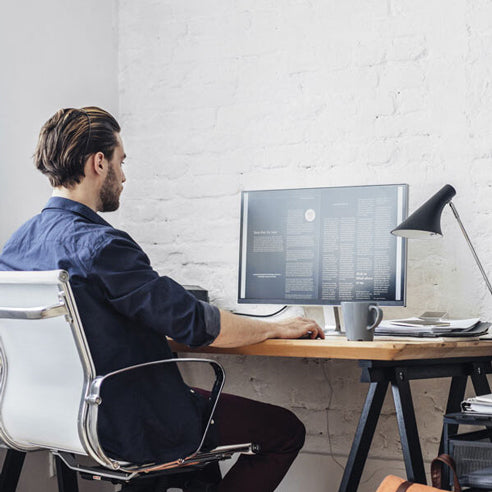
<point x="50" y="393"/>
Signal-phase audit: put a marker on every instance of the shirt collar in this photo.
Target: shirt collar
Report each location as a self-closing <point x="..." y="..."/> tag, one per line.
<point x="57" y="202"/>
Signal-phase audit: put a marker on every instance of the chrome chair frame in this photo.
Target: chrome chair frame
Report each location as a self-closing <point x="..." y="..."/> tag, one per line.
<point x="90" y="398"/>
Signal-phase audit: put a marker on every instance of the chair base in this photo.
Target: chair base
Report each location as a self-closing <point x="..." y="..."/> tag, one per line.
<point x="193" y="480"/>
<point x="205" y="479"/>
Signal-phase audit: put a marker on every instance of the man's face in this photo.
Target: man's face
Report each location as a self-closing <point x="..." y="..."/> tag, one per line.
<point x="112" y="186"/>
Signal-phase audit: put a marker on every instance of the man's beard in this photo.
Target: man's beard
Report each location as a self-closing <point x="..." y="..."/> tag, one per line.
<point x="110" y="192"/>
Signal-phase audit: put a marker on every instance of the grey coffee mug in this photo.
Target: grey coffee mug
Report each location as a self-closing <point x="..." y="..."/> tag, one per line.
<point x="360" y="318"/>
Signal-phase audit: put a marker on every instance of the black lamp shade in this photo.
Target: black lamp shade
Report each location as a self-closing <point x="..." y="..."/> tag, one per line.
<point x="426" y="220"/>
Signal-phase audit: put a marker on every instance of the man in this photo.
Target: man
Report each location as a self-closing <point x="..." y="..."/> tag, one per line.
<point x="127" y="309"/>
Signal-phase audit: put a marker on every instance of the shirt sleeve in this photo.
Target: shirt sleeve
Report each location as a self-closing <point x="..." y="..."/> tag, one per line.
<point x="136" y="291"/>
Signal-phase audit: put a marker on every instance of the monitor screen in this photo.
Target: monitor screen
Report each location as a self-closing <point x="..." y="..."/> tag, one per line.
<point x="322" y="246"/>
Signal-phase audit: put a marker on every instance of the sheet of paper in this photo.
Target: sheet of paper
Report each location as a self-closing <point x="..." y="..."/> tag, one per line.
<point x="398" y="325"/>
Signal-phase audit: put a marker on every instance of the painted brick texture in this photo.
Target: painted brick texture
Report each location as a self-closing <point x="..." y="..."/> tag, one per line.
<point x="221" y="96"/>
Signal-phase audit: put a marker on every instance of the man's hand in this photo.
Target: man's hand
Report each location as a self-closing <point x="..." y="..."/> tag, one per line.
<point x="237" y="331"/>
<point x="299" y="327"/>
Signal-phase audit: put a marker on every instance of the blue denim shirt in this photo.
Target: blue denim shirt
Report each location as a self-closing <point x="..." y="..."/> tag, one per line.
<point x="127" y="310"/>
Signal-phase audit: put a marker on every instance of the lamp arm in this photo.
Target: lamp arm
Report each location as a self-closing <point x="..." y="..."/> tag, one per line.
<point x="484" y="275"/>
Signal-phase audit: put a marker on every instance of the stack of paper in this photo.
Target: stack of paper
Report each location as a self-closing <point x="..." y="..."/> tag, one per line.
<point x="416" y="327"/>
<point x="480" y="404"/>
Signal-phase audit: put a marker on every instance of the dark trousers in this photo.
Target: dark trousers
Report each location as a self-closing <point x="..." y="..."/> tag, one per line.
<point x="278" y="431"/>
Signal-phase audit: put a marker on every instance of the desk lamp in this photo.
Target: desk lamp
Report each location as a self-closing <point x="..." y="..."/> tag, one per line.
<point x="425" y="222"/>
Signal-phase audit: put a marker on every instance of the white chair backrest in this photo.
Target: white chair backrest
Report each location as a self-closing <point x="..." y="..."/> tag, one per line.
<point x="46" y="366"/>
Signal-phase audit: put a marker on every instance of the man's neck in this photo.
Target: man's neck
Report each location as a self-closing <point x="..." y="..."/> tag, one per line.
<point x="77" y="195"/>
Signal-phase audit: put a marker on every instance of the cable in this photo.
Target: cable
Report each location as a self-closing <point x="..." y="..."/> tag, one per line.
<point x="327" y="375"/>
<point x="261" y="315"/>
<point x="328" y="380"/>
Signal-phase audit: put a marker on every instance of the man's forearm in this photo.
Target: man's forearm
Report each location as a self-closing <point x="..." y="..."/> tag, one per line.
<point x="237" y="331"/>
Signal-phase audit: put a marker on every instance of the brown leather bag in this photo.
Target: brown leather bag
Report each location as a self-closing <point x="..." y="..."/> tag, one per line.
<point x="397" y="484"/>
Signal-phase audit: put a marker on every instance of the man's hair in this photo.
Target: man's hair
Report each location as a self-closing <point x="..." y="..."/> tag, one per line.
<point x="69" y="137"/>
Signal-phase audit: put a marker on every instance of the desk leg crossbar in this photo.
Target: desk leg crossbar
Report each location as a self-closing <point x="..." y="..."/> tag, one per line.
<point x="399" y="373"/>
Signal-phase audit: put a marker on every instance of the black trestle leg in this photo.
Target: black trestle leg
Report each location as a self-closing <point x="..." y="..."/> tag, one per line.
<point x="409" y="436"/>
<point x="363" y="436"/>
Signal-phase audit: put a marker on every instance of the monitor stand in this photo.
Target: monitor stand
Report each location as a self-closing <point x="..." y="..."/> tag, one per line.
<point x="332" y="321"/>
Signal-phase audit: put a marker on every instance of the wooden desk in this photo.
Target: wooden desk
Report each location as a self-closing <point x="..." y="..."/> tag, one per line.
<point x="385" y="363"/>
<point x="335" y="348"/>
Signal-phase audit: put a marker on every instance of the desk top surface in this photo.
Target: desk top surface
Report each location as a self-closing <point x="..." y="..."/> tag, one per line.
<point x="332" y="348"/>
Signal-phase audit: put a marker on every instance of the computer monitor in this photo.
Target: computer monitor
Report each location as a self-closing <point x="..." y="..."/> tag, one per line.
<point x="322" y="246"/>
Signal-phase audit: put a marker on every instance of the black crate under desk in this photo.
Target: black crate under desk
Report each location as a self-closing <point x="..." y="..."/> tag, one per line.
<point x="471" y="450"/>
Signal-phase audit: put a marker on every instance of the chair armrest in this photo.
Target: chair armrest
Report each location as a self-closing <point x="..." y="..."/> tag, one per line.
<point x="41" y="312"/>
<point x="94" y="399"/>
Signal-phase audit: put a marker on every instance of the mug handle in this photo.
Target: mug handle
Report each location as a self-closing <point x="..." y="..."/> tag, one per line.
<point x="379" y="316"/>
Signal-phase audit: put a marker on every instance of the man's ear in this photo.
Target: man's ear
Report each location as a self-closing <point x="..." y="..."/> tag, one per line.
<point x="98" y="162"/>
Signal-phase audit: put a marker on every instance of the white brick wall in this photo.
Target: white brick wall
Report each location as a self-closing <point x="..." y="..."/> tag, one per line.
<point x="218" y="96"/>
